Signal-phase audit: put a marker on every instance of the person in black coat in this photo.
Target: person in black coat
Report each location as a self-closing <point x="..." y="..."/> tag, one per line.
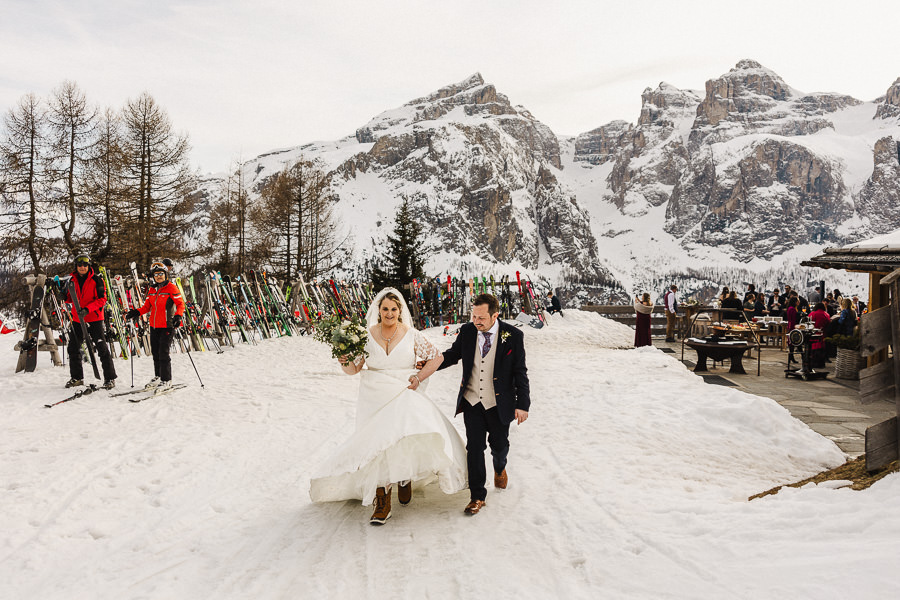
<point x="751" y="291"/>
<point x="554" y="304"/>
<point x="493" y="391"/>
<point x="732" y="302"/>
<point x="774" y="306"/>
<point x="759" y="308"/>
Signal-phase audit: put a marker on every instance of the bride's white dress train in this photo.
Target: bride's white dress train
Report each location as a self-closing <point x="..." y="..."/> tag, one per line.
<point x="401" y="435"/>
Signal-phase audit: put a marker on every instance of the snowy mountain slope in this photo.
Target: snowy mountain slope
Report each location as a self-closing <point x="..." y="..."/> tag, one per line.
<point x="477" y="171"/>
<point x="621" y="485"/>
<point x="743" y="179"/>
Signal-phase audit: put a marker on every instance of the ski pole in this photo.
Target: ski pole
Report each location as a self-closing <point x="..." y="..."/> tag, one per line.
<point x="133" y="345"/>
<point x="178" y="332"/>
<point x="89" y="389"/>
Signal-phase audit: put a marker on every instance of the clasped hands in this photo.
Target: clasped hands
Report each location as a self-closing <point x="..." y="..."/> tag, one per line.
<point x="521" y="415"/>
<point x="414" y="382"/>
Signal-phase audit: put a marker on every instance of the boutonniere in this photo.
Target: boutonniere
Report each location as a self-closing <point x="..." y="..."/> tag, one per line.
<point x="504" y="335"/>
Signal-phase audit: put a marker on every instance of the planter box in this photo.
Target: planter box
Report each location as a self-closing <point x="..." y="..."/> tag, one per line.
<point x="848" y="364"/>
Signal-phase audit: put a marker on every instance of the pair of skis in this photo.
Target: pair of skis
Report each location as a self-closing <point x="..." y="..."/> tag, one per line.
<point x="147" y="394"/>
<point x="151" y="393"/>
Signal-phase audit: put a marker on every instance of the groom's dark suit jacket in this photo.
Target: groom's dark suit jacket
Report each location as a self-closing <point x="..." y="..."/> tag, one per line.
<point x="510" y="374"/>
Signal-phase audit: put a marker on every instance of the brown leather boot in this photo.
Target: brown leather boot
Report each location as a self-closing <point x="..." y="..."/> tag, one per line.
<point x="404" y="493"/>
<point x="501" y="480"/>
<point x="473" y="507"/>
<point x="382" y="507"/>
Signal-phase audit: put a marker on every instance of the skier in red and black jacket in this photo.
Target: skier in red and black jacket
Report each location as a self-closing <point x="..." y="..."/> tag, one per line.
<point x="166" y="308"/>
<point x="92" y="299"/>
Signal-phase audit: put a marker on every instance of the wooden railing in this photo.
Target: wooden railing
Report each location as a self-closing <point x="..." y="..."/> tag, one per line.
<point x="625" y="314"/>
<point x="878" y="330"/>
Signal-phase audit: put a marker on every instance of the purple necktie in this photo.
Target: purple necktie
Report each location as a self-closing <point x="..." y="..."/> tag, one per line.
<point x="487" y="345"/>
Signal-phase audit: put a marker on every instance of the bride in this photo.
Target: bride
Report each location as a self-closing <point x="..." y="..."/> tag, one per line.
<point x="401" y="436"/>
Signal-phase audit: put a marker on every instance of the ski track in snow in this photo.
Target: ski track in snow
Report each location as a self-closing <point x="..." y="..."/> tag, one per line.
<point x="629" y="479"/>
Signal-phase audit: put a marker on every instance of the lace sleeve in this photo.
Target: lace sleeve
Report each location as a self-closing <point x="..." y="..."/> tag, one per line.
<point x="425" y="349"/>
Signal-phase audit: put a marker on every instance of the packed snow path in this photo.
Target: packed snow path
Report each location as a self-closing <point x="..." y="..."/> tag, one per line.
<point x="629" y="480"/>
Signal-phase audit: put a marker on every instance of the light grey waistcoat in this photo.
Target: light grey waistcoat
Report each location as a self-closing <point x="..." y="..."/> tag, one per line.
<point x="481" y="383"/>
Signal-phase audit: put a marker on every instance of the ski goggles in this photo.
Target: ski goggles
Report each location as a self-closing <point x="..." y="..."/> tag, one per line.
<point x="82" y="260"/>
<point x="158" y="266"/>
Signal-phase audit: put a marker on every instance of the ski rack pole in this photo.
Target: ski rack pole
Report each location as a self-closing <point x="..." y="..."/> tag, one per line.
<point x="178" y="333"/>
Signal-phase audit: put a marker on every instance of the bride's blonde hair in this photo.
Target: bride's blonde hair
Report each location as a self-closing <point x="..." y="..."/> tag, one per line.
<point x="398" y="301"/>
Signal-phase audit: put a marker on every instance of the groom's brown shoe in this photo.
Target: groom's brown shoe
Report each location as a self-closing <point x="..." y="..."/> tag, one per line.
<point x="404" y="493"/>
<point x="382" y="507"/>
<point x="500" y="480"/>
<point x="474" y="506"/>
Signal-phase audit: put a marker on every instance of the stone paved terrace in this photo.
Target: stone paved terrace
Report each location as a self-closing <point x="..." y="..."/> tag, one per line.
<point x="829" y="406"/>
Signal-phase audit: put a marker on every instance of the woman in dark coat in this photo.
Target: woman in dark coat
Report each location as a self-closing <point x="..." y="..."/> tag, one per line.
<point x="732" y="301"/>
<point x="642" y="309"/>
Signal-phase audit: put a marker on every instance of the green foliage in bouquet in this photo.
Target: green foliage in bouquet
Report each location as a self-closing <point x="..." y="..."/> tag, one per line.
<point x="847" y="342"/>
<point x="347" y="337"/>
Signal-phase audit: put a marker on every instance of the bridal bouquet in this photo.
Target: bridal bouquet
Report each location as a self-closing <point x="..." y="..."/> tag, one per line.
<point x="347" y="337"/>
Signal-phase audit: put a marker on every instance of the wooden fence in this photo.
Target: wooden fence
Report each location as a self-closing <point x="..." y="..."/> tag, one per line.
<point x="626" y="316"/>
<point x="880" y="329"/>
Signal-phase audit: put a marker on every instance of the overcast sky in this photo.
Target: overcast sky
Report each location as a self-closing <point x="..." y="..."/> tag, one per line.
<point x="242" y="78"/>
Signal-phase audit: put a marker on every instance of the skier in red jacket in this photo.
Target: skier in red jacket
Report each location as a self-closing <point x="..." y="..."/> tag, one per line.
<point x="92" y="299"/>
<point x="166" y="308"/>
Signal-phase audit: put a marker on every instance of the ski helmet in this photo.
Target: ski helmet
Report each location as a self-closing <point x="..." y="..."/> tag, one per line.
<point x="158" y="267"/>
<point x="82" y="258"/>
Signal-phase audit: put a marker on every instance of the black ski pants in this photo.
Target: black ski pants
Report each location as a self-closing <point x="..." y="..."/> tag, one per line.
<point x="97" y="331"/>
<point x="160" y="341"/>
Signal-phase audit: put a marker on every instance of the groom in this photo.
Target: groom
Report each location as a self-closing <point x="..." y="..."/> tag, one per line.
<point x="493" y="392"/>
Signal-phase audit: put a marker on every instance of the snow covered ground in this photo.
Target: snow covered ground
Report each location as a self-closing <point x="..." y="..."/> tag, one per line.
<point x="630" y="480"/>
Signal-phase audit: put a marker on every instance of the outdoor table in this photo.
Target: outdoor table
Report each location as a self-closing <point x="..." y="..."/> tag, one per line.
<point x="733" y="350"/>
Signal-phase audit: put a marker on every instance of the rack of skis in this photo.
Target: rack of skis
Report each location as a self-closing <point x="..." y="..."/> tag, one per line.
<point x="436" y="302"/>
<point x="223" y="311"/>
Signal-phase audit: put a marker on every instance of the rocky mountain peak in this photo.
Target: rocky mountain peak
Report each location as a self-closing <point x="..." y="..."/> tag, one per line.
<point x="753" y="77"/>
<point x="890" y="107"/>
<point x="467" y="84"/>
<point x="758" y="100"/>
<point x="600" y="145"/>
<point x="655" y="103"/>
<point x="471" y="94"/>
<point x="747" y="88"/>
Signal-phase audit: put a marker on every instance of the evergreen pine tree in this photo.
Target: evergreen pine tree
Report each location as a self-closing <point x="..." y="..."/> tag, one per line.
<point x="406" y="254"/>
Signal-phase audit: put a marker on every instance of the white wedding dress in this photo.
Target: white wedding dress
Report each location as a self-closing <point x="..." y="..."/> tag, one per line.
<point x="401" y="435"/>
